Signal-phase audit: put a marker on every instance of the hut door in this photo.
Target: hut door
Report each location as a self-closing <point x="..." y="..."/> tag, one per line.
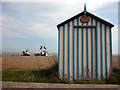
<point x="86" y="39"/>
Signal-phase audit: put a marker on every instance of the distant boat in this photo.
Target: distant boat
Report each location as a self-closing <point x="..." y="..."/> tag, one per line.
<point x="26" y="52"/>
<point x="43" y="51"/>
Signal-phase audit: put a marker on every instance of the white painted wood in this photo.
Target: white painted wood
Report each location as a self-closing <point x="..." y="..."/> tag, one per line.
<point x="108" y="50"/>
<point x="75" y="50"/>
<point x="94" y="51"/>
<point x="103" y="43"/>
<point x="84" y="50"/>
<point x="80" y="50"/>
<point x="61" y="52"/>
<point x="85" y="63"/>
<point x="66" y="51"/>
<point x="99" y="51"/>
<point x="89" y="50"/>
<point x="71" y="51"/>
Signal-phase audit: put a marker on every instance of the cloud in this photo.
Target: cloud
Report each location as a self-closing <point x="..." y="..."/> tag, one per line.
<point x="22" y="19"/>
<point x="41" y="22"/>
<point x="42" y="30"/>
<point x="10" y="27"/>
<point x="42" y="17"/>
<point x="18" y="29"/>
<point x="12" y="34"/>
<point x="72" y="4"/>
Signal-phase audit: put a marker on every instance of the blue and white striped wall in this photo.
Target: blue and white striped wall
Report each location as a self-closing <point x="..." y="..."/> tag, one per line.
<point x="84" y="50"/>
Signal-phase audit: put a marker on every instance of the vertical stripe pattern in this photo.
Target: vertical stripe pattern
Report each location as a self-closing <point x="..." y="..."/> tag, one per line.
<point x="58" y="52"/>
<point x="111" y="51"/>
<point x="105" y="53"/>
<point x="73" y="49"/>
<point x="77" y="49"/>
<point x="92" y="48"/>
<point x="84" y="52"/>
<point x="87" y="49"/>
<point x="68" y="52"/>
<point x="101" y="51"/>
<point x="63" y="51"/>
<point x="96" y="51"/>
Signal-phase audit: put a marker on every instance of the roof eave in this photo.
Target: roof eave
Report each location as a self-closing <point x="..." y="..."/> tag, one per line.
<point x="99" y="19"/>
<point x="70" y="19"/>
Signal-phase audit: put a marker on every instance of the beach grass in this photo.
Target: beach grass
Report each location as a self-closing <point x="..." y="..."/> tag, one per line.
<point x="50" y="75"/>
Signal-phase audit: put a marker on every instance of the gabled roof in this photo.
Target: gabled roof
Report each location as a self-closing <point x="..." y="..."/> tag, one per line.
<point x="89" y="14"/>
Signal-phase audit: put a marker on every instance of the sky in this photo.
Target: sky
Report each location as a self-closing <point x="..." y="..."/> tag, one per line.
<point x="29" y="24"/>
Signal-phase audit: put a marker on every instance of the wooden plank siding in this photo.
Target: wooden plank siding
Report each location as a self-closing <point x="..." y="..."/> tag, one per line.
<point x="89" y="46"/>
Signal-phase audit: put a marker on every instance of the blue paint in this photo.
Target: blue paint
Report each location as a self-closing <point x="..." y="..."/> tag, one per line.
<point x="105" y="52"/>
<point x="96" y="53"/>
<point x="59" y="52"/>
<point x="85" y="26"/>
<point x="92" y="48"/>
<point x="82" y="52"/>
<point x="101" y="51"/>
<point x="73" y="49"/>
<point x="63" y="51"/>
<point x="68" y="52"/>
<point x="111" y="51"/>
<point x="77" y="48"/>
<point x="87" y="49"/>
<point x="85" y="9"/>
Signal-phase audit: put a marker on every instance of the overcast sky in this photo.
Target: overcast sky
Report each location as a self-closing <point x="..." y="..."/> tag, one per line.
<point x="31" y="24"/>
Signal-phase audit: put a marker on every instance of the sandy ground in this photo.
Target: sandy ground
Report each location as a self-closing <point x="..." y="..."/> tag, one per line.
<point x="35" y="62"/>
<point x="40" y="62"/>
<point x="116" y="62"/>
<point x="28" y="62"/>
<point x="55" y="85"/>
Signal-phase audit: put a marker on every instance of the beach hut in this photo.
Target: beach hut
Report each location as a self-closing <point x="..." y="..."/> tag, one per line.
<point x="84" y="48"/>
